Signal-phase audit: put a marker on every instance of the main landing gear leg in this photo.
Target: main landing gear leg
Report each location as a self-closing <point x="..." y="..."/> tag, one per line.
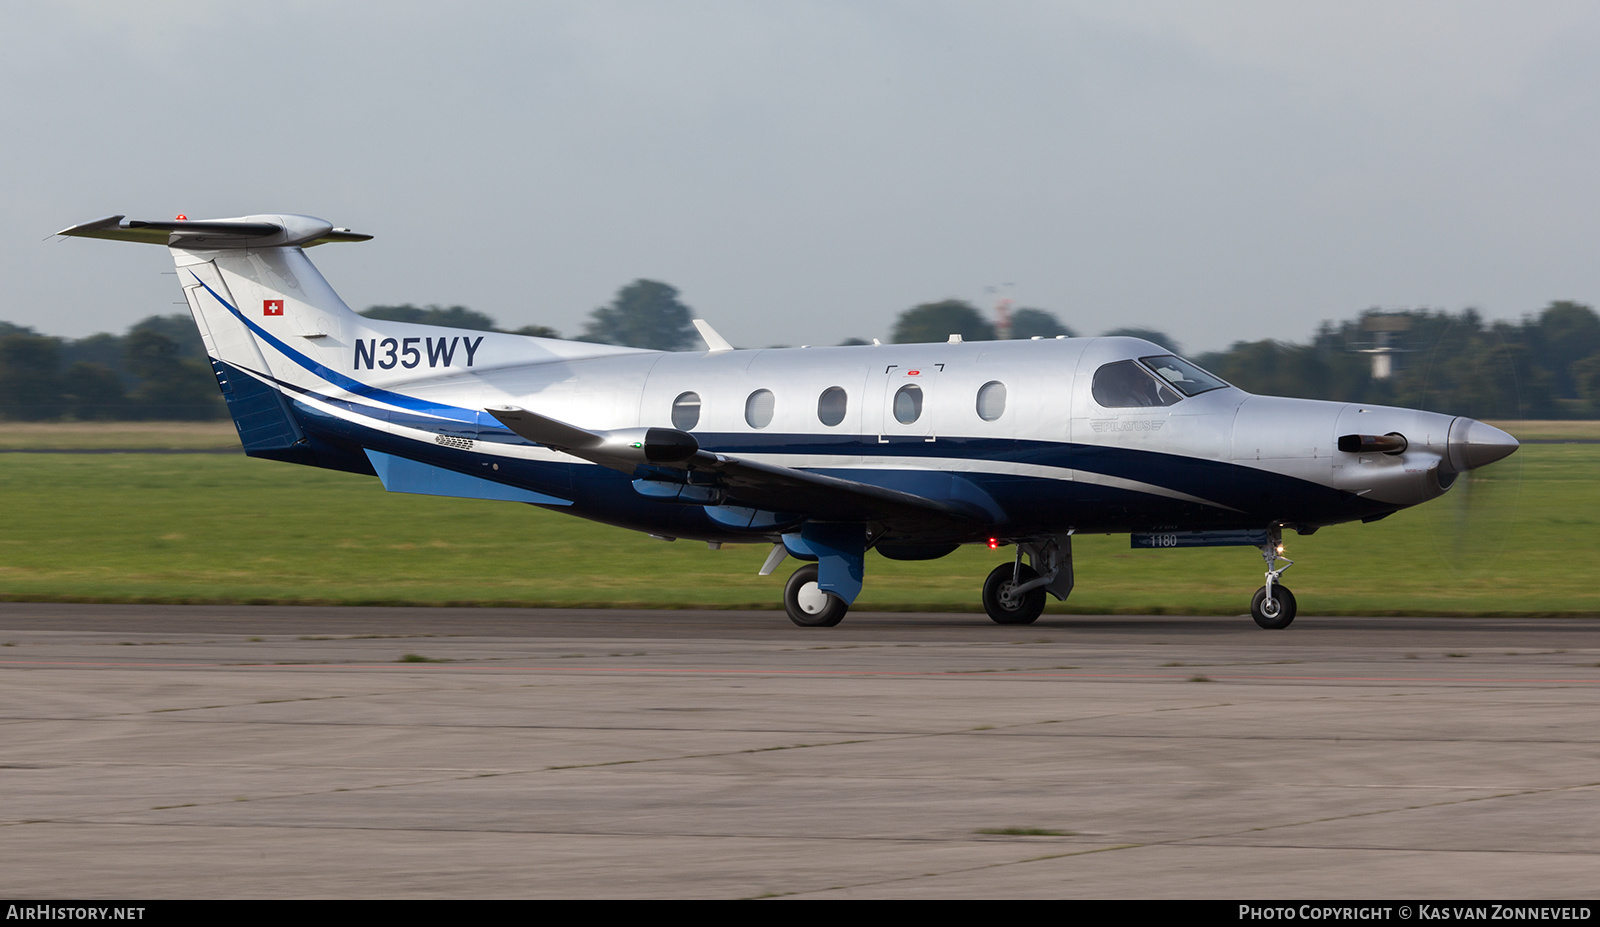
<point x="808" y="606"/>
<point x="819" y="594"/>
<point x="1273" y="606"/>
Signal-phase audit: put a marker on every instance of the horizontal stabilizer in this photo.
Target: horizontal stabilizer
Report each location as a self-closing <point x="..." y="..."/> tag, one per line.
<point x="205" y="234"/>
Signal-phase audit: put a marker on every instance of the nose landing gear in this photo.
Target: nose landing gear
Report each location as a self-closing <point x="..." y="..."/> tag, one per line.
<point x="1273" y="606"/>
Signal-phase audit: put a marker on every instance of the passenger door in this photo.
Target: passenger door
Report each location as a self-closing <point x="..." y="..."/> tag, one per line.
<point x="906" y="402"/>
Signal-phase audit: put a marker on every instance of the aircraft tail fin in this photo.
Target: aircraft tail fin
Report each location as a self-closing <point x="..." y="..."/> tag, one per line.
<point x="279" y="336"/>
<point x="249" y="286"/>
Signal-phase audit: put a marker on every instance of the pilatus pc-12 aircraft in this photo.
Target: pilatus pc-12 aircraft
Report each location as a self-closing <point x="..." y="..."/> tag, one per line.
<point x="825" y="453"/>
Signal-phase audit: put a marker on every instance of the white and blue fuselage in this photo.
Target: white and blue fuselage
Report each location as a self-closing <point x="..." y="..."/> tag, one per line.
<point x="908" y="449"/>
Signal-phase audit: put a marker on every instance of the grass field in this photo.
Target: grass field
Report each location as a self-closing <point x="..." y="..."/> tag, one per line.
<point x="1570" y="430"/>
<point x="227" y="529"/>
<point x="79" y="436"/>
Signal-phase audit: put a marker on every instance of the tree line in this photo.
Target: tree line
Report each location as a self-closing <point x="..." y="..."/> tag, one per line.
<point x="1543" y="366"/>
<point x="1546" y="365"/>
<point x="158" y="370"/>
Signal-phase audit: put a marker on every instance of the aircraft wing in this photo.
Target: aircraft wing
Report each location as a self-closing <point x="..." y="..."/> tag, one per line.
<point x="746" y="482"/>
<point x="827" y="498"/>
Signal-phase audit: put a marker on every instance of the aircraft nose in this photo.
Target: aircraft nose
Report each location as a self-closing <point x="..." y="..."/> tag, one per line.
<point x="1474" y="444"/>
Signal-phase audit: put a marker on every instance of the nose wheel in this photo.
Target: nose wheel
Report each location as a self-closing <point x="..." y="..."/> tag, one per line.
<point x="1274" y="607"/>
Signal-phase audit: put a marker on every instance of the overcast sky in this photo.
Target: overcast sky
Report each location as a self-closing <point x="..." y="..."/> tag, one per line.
<point x="802" y="172"/>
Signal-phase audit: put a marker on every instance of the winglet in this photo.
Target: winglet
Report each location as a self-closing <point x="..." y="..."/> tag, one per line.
<point x="714" y="341"/>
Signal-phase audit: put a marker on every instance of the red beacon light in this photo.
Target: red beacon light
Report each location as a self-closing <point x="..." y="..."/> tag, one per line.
<point x="181" y="217"/>
<point x="994" y="543"/>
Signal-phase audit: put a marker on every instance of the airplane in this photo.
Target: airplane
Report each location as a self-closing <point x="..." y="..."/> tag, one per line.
<point x="911" y="450"/>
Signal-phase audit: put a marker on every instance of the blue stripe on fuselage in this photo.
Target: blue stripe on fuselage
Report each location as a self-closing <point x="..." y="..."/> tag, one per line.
<point x="437" y="410"/>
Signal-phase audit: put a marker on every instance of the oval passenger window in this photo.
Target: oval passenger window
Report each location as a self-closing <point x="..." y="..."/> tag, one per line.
<point x="991" y="400"/>
<point x="908" y="404"/>
<point x="831" y="406"/>
<point x="758" y="409"/>
<point x="686" y="411"/>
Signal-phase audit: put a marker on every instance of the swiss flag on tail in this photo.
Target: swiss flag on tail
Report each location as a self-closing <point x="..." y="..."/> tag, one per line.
<point x="272" y="307"/>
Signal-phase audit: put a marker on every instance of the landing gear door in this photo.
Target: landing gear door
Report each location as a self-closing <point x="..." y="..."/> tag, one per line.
<point x="906" y="406"/>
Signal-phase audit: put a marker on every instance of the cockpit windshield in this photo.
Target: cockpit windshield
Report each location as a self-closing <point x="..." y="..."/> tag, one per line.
<point x="1126" y="385"/>
<point x="1162" y="380"/>
<point x="1184" y="376"/>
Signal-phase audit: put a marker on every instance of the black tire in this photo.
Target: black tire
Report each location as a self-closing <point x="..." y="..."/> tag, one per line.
<point x="1276" y="613"/>
<point x="1021" y="611"/>
<point x="802" y="603"/>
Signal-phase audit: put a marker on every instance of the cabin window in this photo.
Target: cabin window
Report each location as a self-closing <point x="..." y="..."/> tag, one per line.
<point x="908" y="404"/>
<point x="758" y="409"/>
<point x="991" y="400"/>
<point x="1181" y="374"/>
<point x="686" y="411"/>
<point x="1126" y="385"/>
<point x="831" y="406"/>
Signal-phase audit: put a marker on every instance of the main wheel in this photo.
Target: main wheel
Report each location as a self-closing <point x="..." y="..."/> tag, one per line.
<point x="808" y="606"/>
<point x="1275" y="612"/>
<point x="1005" y="608"/>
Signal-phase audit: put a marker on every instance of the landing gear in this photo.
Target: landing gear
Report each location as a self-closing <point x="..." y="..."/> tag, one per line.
<point x="808" y="606"/>
<point x="1000" y="598"/>
<point x="1014" y="592"/>
<point x="1273" y="607"/>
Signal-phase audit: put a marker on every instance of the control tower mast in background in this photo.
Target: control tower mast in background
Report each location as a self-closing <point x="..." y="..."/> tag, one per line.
<point x="1002" y="308"/>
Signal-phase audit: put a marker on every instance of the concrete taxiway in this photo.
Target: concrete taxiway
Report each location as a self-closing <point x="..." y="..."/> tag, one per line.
<point x="166" y="751"/>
